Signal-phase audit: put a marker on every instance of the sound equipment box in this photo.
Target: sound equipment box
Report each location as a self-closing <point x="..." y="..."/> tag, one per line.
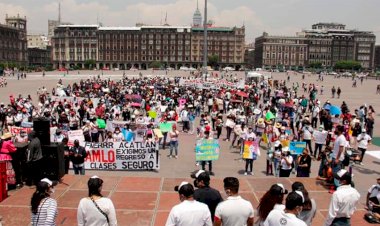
<point x="42" y="128"/>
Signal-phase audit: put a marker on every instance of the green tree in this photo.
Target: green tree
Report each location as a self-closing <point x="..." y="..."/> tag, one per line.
<point x="89" y="64"/>
<point x="348" y="65"/>
<point x="315" y="65"/>
<point x="155" y="64"/>
<point x="213" y="60"/>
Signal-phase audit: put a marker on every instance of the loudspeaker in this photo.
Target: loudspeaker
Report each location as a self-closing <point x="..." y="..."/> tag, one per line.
<point x="50" y="166"/>
<point x="42" y="129"/>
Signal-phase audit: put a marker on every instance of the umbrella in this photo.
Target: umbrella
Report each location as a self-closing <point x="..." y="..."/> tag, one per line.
<point x="136" y="105"/>
<point x="335" y="110"/>
<point x="269" y="116"/>
<point x="242" y="94"/>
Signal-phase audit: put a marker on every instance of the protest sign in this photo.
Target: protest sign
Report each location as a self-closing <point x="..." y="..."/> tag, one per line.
<point x="128" y="135"/>
<point x="320" y="137"/>
<point x="296" y="148"/>
<point x="207" y="150"/>
<point x="166" y="126"/>
<point x="250" y="150"/>
<point x="73" y="135"/>
<point x="14" y="130"/>
<point x="285" y="143"/>
<point x="111" y="125"/>
<point x="27" y="124"/>
<point x="158" y="133"/>
<point x="122" y="156"/>
<point x="152" y="114"/>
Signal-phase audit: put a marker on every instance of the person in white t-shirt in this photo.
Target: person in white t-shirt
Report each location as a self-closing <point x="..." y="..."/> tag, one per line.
<point x="373" y="199"/>
<point x="338" y="151"/>
<point x="287" y="217"/>
<point x="189" y="212"/>
<point x="286" y="163"/>
<point x="96" y="210"/>
<point x="363" y="140"/>
<point x="235" y="211"/>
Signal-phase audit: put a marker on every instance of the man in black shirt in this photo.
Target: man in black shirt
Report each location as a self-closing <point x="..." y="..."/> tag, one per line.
<point x="205" y="194"/>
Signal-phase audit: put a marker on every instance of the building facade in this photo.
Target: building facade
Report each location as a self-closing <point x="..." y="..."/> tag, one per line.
<point x="138" y="47"/>
<point x="377" y="57"/>
<point x="39" y="57"/>
<point x="280" y="52"/>
<point x="327" y="43"/>
<point x="38" y="41"/>
<point x="13" y="42"/>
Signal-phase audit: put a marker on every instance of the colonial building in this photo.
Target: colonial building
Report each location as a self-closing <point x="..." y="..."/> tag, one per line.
<point x="377" y="57"/>
<point x="39" y="57"/>
<point x="273" y="52"/>
<point x="328" y="43"/>
<point x="37" y="41"/>
<point x="13" y="43"/>
<point x="138" y="47"/>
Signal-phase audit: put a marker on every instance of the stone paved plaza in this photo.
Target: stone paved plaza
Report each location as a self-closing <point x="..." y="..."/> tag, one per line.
<point x="144" y="198"/>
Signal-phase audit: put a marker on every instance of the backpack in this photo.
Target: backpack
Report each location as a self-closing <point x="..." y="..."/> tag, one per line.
<point x="101" y="123"/>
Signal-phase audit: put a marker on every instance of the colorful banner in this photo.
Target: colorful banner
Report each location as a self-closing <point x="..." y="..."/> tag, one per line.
<point x="296" y="148"/>
<point x="122" y="156"/>
<point x="251" y="149"/>
<point x="207" y="150"/>
<point x="14" y="130"/>
<point x="152" y="114"/>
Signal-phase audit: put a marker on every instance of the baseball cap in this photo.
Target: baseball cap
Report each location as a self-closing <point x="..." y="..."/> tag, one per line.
<point x="49" y="182"/>
<point x="185" y="189"/>
<point x="178" y="187"/>
<point x="343" y="175"/>
<point x="201" y="175"/>
<point x="301" y="194"/>
<point x="278" y="189"/>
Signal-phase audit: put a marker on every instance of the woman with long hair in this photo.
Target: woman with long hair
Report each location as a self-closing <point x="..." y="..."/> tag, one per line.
<point x="6" y="149"/>
<point x="309" y="206"/>
<point x="96" y="210"/>
<point x="272" y="199"/>
<point x="43" y="207"/>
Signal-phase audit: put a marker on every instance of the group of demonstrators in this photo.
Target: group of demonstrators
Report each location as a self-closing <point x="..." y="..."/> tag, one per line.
<point x="253" y="115"/>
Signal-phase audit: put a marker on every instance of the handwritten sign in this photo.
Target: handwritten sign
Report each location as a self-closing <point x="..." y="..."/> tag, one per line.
<point x="207" y="150"/>
<point x="296" y="148"/>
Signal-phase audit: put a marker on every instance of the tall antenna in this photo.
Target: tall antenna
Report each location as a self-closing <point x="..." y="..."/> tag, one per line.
<point x="59" y="12"/>
<point x="197" y="4"/>
<point x="166" y="18"/>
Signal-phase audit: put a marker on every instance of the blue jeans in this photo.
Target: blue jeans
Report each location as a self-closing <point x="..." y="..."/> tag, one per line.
<point x="174" y="145"/>
<point x="78" y="170"/>
<point x="276" y="164"/>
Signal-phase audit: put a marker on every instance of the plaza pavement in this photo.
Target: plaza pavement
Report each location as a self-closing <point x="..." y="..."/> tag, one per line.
<point x="144" y="198"/>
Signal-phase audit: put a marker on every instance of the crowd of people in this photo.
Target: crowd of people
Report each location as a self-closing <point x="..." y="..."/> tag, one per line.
<point x="271" y="113"/>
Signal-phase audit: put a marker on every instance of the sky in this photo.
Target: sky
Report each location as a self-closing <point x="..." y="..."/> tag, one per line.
<point x="277" y="17"/>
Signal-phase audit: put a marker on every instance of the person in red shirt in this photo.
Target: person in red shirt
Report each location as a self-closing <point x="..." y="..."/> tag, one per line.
<point x="99" y="111"/>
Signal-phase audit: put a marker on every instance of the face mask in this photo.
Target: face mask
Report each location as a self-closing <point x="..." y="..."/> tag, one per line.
<point x="117" y="132"/>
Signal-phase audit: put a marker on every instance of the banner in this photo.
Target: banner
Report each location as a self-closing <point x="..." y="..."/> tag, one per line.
<point x="207" y="150"/>
<point x="14" y="130"/>
<point x="296" y="148"/>
<point x="122" y="156"/>
<point x="73" y="135"/>
<point x="111" y="125"/>
<point x="251" y="149"/>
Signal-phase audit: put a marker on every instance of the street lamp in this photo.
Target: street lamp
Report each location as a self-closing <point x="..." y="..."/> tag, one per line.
<point x="205" y="42"/>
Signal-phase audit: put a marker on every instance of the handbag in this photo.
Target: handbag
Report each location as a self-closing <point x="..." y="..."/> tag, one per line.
<point x="101" y="211"/>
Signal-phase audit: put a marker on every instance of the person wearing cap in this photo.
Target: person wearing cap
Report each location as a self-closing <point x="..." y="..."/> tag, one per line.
<point x="272" y="199"/>
<point x="363" y="140"/>
<point x="95" y="209"/>
<point x="343" y="201"/>
<point x="206" y="194"/>
<point x="44" y="208"/>
<point x="307" y="131"/>
<point x="286" y="163"/>
<point x="288" y="216"/>
<point x="189" y="212"/>
<point x="309" y="205"/>
<point x="77" y="156"/>
<point x="7" y="148"/>
<point x="235" y="210"/>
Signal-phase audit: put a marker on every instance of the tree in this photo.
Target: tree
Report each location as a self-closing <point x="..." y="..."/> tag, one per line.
<point x="315" y="65"/>
<point x="89" y="64"/>
<point x="213" y="60"/>
<point x="155" y="64"/>
<point x="348" y="65"/>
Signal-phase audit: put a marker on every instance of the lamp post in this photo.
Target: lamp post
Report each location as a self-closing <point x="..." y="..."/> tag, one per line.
<point x="205" y="55"/>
